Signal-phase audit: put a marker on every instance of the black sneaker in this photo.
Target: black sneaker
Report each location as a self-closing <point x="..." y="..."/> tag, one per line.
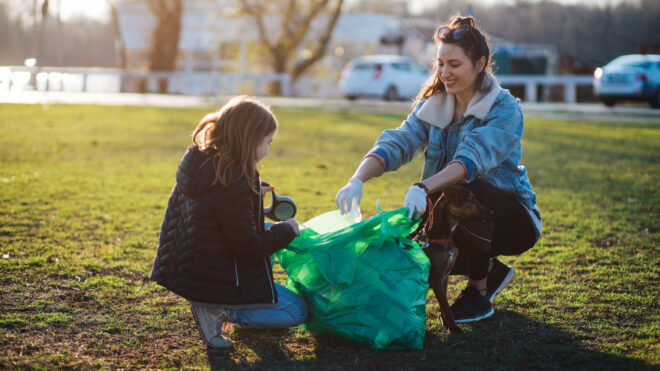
<point x="471" y="306"/>
<point x="498" y="277"/>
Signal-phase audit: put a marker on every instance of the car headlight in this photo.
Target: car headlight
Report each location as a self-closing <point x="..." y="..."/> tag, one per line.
<point x="598" y="73"/>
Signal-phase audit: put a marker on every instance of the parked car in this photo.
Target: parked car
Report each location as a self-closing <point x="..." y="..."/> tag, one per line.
<point x="629" y="77"/>
<point x="392" y="77"/>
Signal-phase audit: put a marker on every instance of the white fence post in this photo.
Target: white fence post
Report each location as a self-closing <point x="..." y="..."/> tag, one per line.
<point x="570" y="92"/>
<point x="530" y="91"/>
<point x="285" y="78"/>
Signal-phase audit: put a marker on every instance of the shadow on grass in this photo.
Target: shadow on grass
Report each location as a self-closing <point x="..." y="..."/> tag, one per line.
<point x="506" y="340"/>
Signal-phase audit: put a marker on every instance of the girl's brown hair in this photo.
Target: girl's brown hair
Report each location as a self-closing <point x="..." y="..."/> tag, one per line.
<point x="232" y="135"/>
<point x="474" y="45"/>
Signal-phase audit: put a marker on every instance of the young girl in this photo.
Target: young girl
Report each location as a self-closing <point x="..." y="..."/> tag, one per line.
<point x="213" y="249"/>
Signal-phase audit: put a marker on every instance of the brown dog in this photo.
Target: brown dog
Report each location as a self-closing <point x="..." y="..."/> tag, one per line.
<point x="456" y="205"/>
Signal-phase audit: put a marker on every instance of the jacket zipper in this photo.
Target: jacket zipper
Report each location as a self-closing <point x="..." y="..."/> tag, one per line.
<point x="236" y="272"/>
<point x="272" y="292"/>
<point x="270" y="280"/>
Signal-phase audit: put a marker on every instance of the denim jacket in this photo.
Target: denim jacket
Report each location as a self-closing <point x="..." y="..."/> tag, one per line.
<point x="486" y="140"/>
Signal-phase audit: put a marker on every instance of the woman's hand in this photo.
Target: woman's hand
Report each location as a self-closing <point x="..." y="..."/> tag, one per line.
<point x="352" y="190"/>
<point x="294" y="224"/>
<point x="415" y="201"/>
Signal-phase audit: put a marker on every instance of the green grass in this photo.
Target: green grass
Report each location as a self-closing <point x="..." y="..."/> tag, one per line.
<point x="83" y="190"/>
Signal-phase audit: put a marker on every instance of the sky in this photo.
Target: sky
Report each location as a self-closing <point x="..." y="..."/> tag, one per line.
<point x="95" y="9"/>
<point x="99" y="9"/>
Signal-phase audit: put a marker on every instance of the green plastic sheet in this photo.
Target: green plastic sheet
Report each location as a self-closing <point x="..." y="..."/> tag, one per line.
<point x="366" y="282"/>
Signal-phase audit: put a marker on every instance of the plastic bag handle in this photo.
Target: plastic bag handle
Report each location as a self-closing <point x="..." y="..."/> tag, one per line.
<point x="429" y="223"/>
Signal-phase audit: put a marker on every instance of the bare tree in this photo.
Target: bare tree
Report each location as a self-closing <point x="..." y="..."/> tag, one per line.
<point x="165" y="38"/>
<point x="120" y="46"/>
<point x="42" y="25"/>
<point x="296" y="19"/>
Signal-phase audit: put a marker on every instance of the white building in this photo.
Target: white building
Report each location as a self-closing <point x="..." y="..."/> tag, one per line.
<point x="220" y="50"/>
<point x="217" y="38"/>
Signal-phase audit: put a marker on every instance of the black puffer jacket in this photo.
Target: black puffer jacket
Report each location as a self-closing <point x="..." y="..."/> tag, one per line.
<point x="213" y="247"/>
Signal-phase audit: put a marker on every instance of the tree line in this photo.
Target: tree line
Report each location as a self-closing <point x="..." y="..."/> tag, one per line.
<point x="592" y="34"/>
<point x="32" y="32"/>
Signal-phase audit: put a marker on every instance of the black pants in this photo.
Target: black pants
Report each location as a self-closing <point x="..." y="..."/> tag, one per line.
<point x="514" y="231"/>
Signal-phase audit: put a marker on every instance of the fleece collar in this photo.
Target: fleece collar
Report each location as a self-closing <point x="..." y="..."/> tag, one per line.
<point x="438" y="110"/>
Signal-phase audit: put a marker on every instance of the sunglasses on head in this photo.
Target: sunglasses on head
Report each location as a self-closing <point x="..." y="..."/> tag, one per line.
<point x="455" y="33"/>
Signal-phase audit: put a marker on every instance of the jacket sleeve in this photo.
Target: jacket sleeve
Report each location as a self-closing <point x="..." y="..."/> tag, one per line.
<point x="237" y="222"/>
<point x="487" y="146"/>
<point x="397" y="147"/>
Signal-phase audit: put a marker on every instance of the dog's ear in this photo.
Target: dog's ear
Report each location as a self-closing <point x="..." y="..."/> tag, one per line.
<point x="481" y="212"/>
<point x="461" y="202"/>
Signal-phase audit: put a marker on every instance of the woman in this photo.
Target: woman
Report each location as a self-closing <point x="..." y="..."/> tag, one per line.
<point x="471" y="131"/>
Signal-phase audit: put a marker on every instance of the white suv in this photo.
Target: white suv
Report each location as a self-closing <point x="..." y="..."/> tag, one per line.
<point x="391" y="77"/>
<point x="629" y="77"/>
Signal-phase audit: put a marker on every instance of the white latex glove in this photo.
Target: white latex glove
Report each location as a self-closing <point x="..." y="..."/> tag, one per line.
<point x="352" y="190"/>
<point x="415" y="201"/>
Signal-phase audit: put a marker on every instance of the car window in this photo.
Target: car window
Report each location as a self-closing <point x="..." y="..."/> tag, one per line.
<point x="367" y="66"/>
<point x="401" y="66"/>
<point x="417" y="68"/>
<point x="638" y="64"/>
<point x="629" y="63"/>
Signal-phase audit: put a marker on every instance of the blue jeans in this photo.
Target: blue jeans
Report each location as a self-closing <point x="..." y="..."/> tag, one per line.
<point x="289" y="311"/>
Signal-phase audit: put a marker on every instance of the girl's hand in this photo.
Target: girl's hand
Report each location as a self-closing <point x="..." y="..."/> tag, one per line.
<point x="265" y="188"/>
<point x="294" y="224"/>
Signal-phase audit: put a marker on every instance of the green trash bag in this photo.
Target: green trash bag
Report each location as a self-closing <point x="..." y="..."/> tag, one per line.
<point x="366" y="282"/>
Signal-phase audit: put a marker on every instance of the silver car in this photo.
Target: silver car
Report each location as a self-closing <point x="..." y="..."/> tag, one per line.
<point x="391" y="77"/>
<point x="629" y="77"/>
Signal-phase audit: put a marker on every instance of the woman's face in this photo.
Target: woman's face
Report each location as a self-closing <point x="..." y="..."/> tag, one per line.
<point x="456" y="70"/>
<point x="262" y="148"/>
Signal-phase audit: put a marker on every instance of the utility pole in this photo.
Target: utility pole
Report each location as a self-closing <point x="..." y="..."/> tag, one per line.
<point x="60" y="56"/>
<point x="42" y="32"/>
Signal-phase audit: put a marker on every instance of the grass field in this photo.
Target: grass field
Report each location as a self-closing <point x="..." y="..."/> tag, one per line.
<point x="83" y="190"/>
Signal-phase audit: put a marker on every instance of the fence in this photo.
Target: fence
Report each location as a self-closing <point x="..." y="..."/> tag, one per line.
<point x="532" y="82"/>
<point x="179" y="82"/>
<point x="118" y="80"/>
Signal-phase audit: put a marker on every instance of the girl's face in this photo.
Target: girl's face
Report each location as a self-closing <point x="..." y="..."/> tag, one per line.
<point x="456" y="70"/>
<point x="262" y="148"/>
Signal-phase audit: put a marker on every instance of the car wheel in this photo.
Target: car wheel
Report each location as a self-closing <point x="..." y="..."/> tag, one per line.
<point x="655" y="101"/>
<point x="609" y="102"/>
<point x="391" y="93"/>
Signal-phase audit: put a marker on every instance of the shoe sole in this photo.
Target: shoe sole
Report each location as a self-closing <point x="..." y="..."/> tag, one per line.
<point x="502" y="285"/>
<point x="199" y="328"/>
<point x="477" y="318"/>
